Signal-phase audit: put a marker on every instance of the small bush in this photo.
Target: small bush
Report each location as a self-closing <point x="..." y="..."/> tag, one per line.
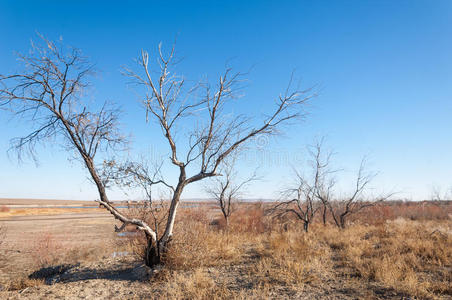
<point x="46" y="250"/>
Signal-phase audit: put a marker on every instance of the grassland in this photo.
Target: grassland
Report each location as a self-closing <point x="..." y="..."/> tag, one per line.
<point x="388" y="252"/>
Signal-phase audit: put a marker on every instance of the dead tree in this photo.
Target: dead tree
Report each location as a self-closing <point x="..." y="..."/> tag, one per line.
<point x="438" y="195"/>
<point x="50" y="93"/>
<point x="342" y="208"/>
<point x="300" y="201"/>
<point x="323" y="181"/>
<point x="199" y="113"/>
<point x="312" y="191"/>
<point x="317" y="190"/>
<point x="226" y="190"/>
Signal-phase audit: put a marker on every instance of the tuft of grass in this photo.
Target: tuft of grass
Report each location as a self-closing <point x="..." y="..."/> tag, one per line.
<point x="21" y="282"/>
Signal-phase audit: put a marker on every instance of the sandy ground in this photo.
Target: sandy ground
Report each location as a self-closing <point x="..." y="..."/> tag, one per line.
<point x="72" y="230"/>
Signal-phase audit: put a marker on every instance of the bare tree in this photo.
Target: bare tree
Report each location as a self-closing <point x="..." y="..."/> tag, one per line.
<point x="438" y="195"/>
<point x="50" y="92"/>
<point x="212" y="135"/>
<point x="227" y="189"/>
<point x="324" y="180"/>
<point x="342" y="208"/>
<point x="302" y="202"/>
<point x="312" y="191"/>
<point x="317" y="190"/>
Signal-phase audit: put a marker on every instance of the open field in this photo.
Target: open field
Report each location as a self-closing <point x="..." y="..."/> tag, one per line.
<point x="44" y="202"/>
<point x="255" y="258"/>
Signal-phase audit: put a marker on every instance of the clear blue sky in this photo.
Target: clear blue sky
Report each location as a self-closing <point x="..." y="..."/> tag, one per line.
<point x="385" y="68"/>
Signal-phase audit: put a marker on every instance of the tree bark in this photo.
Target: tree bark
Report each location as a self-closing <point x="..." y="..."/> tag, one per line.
<point x="152" y="255"/>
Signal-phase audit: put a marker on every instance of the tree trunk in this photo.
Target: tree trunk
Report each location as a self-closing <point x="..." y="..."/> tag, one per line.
<point x="324" y="214"/>
<point x="152" y="255"/>
<point x="342" y="221"/>
<point x="305" y="226"/>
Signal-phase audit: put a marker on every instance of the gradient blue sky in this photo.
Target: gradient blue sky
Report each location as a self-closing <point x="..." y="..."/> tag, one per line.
<point x="384" y="67"/>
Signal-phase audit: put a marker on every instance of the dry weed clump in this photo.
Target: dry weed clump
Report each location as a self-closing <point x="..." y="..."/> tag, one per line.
<point x="202" y="283"/>
<point x="196" y="243"/>
<point x="251" y="218"/>
<point x="420" y="211"/>
<point x="46" y="250"/>
<point x="291" y="258"/>
<point x="20" y="283"/>
<point x="197" y="284"/>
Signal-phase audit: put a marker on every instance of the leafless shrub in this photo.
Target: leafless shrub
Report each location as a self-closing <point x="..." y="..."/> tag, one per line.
<point x="227" y="190"/>
<point x="303" y="203"/>
<point x="46" y="250"/>
<point x="438" y="194"/>
<point x="342" y="208"/>
<point x="317" y="191"/>
<point x="311" y="192"/>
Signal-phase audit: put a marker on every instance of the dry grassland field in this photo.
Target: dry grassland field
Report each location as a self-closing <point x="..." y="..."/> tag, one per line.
<point x="234" y="149"/>
<point x="390" y="251"/>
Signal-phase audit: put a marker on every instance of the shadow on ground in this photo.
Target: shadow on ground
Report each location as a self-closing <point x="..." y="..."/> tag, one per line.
<point x="73" y="273"/>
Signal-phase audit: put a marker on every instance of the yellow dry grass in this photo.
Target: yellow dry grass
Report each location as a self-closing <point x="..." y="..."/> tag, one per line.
<point x="45" y="211"/>
<point x="413" y="258"/>
<point x="256" y="258"/>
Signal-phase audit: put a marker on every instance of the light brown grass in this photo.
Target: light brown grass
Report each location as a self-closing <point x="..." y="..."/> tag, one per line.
<point x="10" y="212"/>
<point x="208" y="260"/>
<point x="410" y="257"/>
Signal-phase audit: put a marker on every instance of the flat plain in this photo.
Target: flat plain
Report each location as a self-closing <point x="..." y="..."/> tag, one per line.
<point x="72" y="253"/>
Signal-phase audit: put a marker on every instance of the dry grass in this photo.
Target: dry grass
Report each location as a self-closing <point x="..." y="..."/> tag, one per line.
<point x="407" y="256"/>
<point x="256" y="257"/>
<point x="46" y="250"/>
<point x="21" y="282"/>
<point x="35" y="211"/>
<point x="413" y="258"/>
